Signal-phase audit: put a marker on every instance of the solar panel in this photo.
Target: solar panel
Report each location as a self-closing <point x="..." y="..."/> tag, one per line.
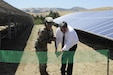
<point x="99" y="22"/>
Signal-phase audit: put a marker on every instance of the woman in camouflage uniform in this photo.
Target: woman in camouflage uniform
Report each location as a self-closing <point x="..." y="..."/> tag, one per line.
<point x="45" y="36"/>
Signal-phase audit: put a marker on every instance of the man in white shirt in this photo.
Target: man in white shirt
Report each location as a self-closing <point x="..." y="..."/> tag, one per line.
<point x="67" y="36"/>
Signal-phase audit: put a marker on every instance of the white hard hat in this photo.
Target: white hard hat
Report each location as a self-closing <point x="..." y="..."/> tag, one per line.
<point x="48" y="19"/>
<point x="63" y="24"/>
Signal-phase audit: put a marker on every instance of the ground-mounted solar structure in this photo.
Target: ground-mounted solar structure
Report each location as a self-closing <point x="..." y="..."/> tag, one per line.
<point x="12" y="21"/>
<point x="15" y="28"/>
<point x="95" y="28"/>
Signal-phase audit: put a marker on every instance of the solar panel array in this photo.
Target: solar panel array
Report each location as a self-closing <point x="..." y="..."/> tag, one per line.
<point x="9" y="9"/>
<point x="99" y="22"/>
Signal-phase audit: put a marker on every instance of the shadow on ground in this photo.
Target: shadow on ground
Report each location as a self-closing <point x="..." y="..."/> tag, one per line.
<point x="16" y="44"/>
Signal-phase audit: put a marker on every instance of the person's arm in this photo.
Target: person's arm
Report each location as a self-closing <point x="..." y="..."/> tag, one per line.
<point x="51" y="36"/>
<point x="71" y="40"/>
<point x="58" y="53"/>
<point x="57" y="39"/>
<point x="41" y="36"/>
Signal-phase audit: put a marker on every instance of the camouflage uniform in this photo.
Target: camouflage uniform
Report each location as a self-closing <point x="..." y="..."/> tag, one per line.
<point x="44" y="37"/>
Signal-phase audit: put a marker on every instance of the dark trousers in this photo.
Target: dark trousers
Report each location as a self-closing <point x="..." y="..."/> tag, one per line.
<point x="67" y="61"/>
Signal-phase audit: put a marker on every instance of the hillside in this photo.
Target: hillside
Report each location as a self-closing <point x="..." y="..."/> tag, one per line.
<point x="101" y="9"/>
<point x="61" y="11"/>
<point x="41" y="10"/>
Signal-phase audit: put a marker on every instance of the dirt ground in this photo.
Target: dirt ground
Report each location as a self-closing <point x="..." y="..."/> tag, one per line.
<point x="80" y="68"/>
<point x="86" y="60"/>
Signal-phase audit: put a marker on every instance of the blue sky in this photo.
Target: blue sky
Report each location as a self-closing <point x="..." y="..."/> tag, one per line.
<point x="89" y="4"/>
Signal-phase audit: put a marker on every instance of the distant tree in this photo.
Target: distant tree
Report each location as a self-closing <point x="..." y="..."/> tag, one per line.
<point x="39" y="19"/>
<point x="42" y="18"/>
<point x="53" y="14"/>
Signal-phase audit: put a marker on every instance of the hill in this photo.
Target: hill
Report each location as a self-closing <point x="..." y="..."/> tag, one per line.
<point x="41" y="10"/>
<point x="101" y="9"/>
<point x="61" y="11"/>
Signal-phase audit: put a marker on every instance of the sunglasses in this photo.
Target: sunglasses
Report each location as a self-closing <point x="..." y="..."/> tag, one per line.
<point x="49" y="23"/>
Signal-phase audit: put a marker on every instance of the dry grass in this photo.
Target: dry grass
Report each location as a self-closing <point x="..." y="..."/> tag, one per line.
<point x="80" y="68"/>
<point x="68" y="12"/>
<point x="46" y="13"/>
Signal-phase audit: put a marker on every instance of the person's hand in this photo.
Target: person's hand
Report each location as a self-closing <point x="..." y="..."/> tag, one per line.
<point x="58" y="53"/>
<point x="62" y="50"/>
<point x="53" y="39"/>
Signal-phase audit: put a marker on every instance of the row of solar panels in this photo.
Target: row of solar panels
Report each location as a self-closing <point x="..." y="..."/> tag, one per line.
<point x="8" y="12"/>
<point x="6" y="8"/>
<point x="99" y="22"/>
